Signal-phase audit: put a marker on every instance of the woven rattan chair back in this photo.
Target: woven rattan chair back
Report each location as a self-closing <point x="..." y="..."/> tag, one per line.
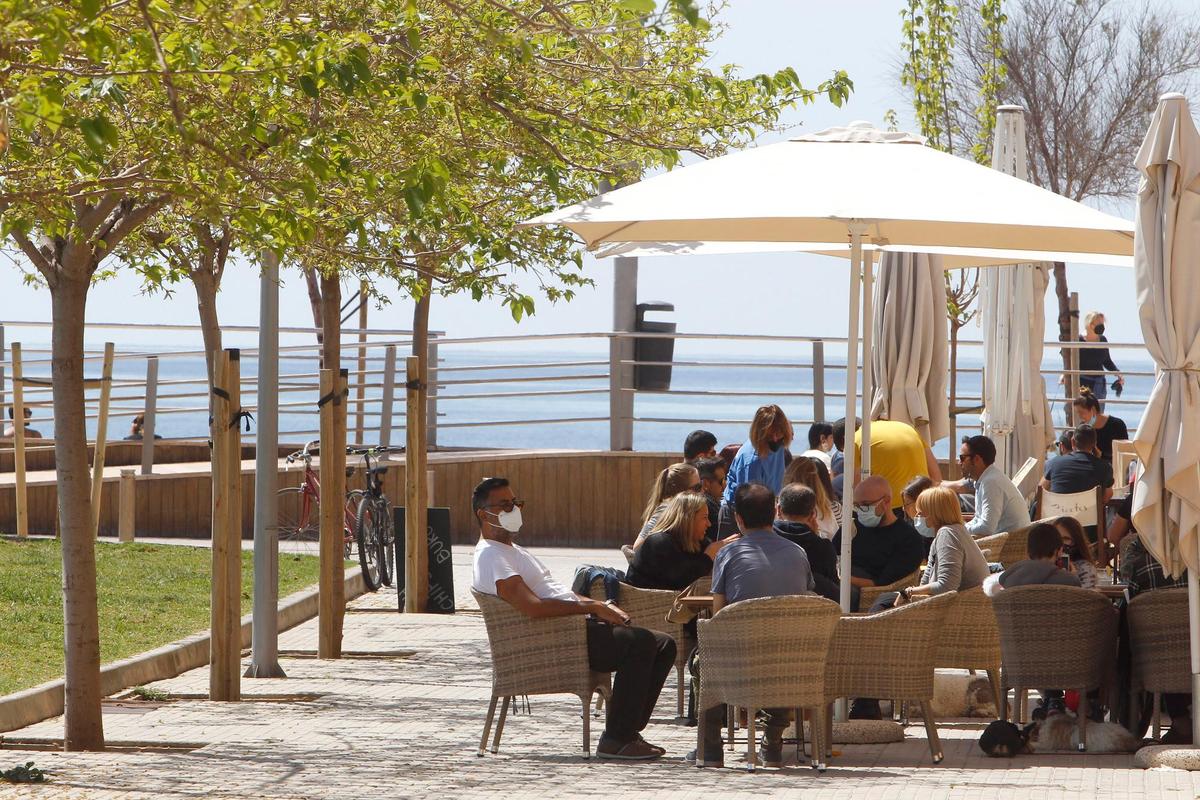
<point x="969" y="638"/>
<point x="535" y="656"/>
<point x="1058" y="637"/>
<point x="769" y="652"/>
<point x="1014" y="547"/>
<point x="992" y="546"/>
<point x="1158" y="629"/>
<point x="888" y="654"/>
<point x="869" y="594"/>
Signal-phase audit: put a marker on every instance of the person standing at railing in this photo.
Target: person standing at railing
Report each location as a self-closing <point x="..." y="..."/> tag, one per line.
<point x="759" y="460"/>
<point x="1093" y="361"/>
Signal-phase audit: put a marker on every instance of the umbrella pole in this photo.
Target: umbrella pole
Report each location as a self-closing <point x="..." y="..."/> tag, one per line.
<point x="857" y="229"/>
<point x="868" y="363"/>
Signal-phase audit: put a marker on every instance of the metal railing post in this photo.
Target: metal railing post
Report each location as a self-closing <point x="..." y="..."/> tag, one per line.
<point x="389" y="393"/>
<point x="149" y="414"/>
<point x="620" y="422"/>
<point x="431" y="408"/>
<point x="818" y="380"/>
<point x="1072" y="360"/>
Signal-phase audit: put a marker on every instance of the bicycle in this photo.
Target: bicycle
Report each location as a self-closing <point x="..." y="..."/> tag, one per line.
<point x="298" y="510"/>
<point x="375" y="531"/>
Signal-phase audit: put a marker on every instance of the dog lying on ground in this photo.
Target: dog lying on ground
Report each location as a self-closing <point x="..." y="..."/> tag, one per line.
<point x="1057" y="732"/>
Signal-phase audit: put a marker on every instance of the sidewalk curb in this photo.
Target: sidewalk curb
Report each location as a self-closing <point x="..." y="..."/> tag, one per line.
<point x="45" y="701"/>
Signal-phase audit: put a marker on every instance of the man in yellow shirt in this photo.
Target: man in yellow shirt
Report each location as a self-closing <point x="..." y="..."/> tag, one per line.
<point x="898" y="454"/>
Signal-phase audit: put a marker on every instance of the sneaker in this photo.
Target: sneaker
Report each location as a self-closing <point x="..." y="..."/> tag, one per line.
<point x="662" y="751"/>
<point x="636" y="749"/>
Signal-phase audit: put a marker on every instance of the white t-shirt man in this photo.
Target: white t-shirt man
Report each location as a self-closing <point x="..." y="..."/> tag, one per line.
<point x="496" y="561"/>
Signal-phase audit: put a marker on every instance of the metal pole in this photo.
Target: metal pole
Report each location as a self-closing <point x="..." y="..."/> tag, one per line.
<point x="857" y="229"/>
<point x="1073" y="360"/>
<point x="101" y="436"/>
<point x="264" y="658"/>
<point x="1193" y="585"/>
<point x="21" y="498"/>
<point x="818" y="380"/>
<point x="625" y="279"/>
<point x="431" y="411"/>
<point x="149" y="414"/>
<point x="389" y="392"/>
<point x="2" y="368"/>
<point x="868" y="362"/>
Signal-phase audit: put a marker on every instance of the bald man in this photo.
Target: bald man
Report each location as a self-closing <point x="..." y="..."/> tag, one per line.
<point x="885" y="548"/>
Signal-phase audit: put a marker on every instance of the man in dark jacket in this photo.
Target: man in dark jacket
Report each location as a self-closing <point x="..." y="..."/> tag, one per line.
<point x="885" y="548"/>
<point x="796" y="521"/>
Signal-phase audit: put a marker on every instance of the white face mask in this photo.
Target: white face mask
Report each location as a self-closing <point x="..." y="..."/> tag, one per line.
<point x="510" y="520"/>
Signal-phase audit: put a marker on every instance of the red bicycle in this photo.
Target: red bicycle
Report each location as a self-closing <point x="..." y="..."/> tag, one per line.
<point x="299" y="514"/>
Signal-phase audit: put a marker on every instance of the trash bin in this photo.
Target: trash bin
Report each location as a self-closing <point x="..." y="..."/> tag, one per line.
<point x="653" y="377"/>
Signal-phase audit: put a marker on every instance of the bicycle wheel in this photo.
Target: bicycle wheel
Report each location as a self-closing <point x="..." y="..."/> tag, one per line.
<point x="298" y="516"/>
<point x="367" y="536"/>
<point x="349" y="547"/>
<point x="387" y="541"/>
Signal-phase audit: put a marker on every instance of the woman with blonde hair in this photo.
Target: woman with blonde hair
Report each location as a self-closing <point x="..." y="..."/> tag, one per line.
<point x="759" y="460"/>
<point x="955" y="562"/>
<point x="671" y="481"/>
<point x="673" y="555"/>
<point x="807" y="471"/>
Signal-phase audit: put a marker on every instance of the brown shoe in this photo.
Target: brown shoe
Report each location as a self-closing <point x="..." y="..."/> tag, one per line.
<point x="634" y="750"/>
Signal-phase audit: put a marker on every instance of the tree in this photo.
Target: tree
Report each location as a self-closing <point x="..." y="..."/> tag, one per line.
<point x="1088" y="74"/>
<point x="117" y="112"/>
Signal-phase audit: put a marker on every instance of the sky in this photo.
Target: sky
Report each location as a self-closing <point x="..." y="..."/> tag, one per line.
<point x="771" y="294"/>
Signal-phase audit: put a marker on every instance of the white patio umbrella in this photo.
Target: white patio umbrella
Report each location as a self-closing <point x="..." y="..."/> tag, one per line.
<point x="1011" y="302"/>
<point x="1166" y="499"/>
<point x="909" y="364"/>
<point x="856" y="184"/>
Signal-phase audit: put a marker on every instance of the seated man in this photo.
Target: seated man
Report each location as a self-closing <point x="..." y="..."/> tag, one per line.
<point x="999" y="506"/>
<point x="760" y="564"/>
<point x="10" y="429"/>
<point x="796" y="521"/>
<point x="698" y="445"/>
<point x="885" y="548"/>
<point x="640" y="658"/>
<point x="1080" y="470"/>
<point x="712" y="478"/>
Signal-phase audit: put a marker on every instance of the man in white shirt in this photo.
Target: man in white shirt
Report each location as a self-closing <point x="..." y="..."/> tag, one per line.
<point x="641" y="658"/>
<point x="999" y="506"/>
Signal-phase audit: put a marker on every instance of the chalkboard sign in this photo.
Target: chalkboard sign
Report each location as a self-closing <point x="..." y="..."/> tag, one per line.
<point x="441" y="567"/>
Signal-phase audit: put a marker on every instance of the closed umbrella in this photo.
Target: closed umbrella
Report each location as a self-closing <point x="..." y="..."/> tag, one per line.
<point x="1011" y="298"/>
<point x="909" y="361"/>
<point x="1166" y="499"/>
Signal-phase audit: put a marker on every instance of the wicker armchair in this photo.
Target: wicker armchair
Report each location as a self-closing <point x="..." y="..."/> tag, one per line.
<point x="969" y="638"/>
<point x="890" y="654"/>
<point x="1015" y="545"/>
<point x="767" y="653"/>
<point x="1158" y="631"/>
<point x="537" y="656"/>
<point x="869" y="594"/>
<point x="1060" y="637"/>
<point x="647" y="608"/>
<point x="993" y="546"/>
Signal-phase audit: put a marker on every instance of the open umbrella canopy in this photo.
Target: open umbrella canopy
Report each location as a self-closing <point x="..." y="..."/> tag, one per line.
<point x="808" y="189"/>
<point x="1166" y="500"/>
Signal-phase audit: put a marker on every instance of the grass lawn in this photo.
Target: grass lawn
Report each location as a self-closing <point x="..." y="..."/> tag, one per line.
<point x="149" y="595"/>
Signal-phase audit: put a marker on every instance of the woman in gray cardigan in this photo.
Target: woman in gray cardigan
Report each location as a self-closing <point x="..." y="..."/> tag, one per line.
<point x="955" y="562"/>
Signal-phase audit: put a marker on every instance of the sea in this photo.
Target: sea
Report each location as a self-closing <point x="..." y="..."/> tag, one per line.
<point x="528" y="413"/>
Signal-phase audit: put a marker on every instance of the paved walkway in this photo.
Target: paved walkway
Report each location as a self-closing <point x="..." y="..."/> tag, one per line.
<point x="409" y="727"/>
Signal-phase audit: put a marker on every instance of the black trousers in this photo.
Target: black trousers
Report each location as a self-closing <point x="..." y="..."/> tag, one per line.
<point x="641" y="659"/>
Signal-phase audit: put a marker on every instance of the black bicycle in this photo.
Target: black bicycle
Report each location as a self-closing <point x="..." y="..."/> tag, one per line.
<point x="374" y="531"/>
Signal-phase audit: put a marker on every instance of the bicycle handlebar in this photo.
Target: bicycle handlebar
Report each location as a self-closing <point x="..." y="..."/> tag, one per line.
<point x="314" y="448"/>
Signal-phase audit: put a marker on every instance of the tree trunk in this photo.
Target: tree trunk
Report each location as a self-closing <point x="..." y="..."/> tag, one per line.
<point x="314" y="300"/>
<point x="206" y="300"/>
<point x="84" y="728"/>
<point x="420" y="335"/>
<point x="952" y="472"/>
<point x="330" y="307"/>
<point x="1066" y="331"/>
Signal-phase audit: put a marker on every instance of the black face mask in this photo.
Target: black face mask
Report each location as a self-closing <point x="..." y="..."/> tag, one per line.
<point x="1099" y="329"/>
<point x="775" y="446"/>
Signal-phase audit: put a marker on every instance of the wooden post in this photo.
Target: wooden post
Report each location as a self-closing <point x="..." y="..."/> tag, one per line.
<point x="225" y="675"/>
<point x="101" y="437"/>
<point x="416" y="576"/>
<point x="389" y="392"/>
<point x="19" y="443"/>
<point x="360" y="391"/>
<point x="341" y="408"/>
<point x="429" y="488"/>
<point x="150" y="415"/>
<point x="431" y="391"/>
<point x="128" y="506"/>
<point x="333" y="501"/>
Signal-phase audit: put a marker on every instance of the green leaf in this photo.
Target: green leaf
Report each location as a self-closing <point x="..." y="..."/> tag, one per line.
<point x="309" y="86"/>
<point x="98" y="134"/>
<point x="637" y="6"/>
